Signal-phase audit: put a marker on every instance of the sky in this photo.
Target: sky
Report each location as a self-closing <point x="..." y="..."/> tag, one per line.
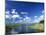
<point x="24" y="12"/>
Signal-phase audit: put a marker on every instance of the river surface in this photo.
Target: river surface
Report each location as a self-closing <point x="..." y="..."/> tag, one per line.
<point x="21" y="30"/>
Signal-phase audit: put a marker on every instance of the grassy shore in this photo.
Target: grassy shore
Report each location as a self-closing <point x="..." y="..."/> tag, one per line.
<point x="38" y="26"/>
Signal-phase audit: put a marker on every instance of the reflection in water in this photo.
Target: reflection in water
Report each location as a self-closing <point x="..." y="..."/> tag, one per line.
<point x="21" y="29"/>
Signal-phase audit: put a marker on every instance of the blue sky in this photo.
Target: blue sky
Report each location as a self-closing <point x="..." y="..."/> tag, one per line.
<point x="30" y="12"/>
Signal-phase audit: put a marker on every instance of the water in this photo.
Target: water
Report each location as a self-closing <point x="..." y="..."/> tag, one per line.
<point x="21" y="29"/>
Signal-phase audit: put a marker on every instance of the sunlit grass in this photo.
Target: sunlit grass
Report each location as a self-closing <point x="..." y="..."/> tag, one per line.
<point x="38" y="27"/>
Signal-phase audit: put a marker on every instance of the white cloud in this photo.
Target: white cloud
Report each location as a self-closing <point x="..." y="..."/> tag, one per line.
<point x="41" y="17"/>
<point x="19" y="21"/>
<point x="7" y="12"/>
<point x="13" y="11"/>
<point x="35" y="16"/>
<point x="24" y="13"/>
<point x="38" y="19"/>
<point x="15" y="16"/>
<point x="35" y="21"/>
<point x="20" y="18"/>
<point x="16" y="12"/>
<point x="24" y="20"/>
<point x="27" y="20"/>
<point x="7" y="16"/>
<point x="26" y="17"/>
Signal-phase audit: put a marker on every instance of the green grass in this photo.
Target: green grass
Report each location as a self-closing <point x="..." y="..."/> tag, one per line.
<point x="36" y="26"/>
<point x="10" y="26"/>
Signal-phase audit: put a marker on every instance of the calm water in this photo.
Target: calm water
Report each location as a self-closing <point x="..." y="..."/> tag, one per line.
<point x="21" y="29"/>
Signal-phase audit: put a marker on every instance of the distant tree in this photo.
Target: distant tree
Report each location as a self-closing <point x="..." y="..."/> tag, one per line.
<point x="42" y="21"/>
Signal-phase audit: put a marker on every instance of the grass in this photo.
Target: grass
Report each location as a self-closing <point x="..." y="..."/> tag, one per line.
<point x="10" y="26"/>
<point x="36" y="26"/>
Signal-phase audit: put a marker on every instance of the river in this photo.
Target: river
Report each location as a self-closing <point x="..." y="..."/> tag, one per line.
<point x="21" y="30"/>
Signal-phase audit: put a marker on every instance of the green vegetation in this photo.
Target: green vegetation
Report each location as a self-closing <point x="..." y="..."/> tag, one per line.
<point x="37" y="26"/>
<point x="42" y="21"/>
<point x="10" y="26"/>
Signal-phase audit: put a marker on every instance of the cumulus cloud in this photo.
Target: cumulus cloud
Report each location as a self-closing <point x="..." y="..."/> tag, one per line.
<point x="38" y="19"/>
<point x="35" y="16"/>
<point x="24" y="20"/>
<point x="20" y="18"/>
<point x="27" y="19"/>
<point x="15" y="16"/>
<point x="14" y="11"/>
<point x="12" y="16"/>
<point x="24" y="13"/>
<point x="20" y="21"/>
<point x="35" y="20"/>
<point x="7" y="12"/>
<point x="41" y="17"/>
<point x="6" y="16"/>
